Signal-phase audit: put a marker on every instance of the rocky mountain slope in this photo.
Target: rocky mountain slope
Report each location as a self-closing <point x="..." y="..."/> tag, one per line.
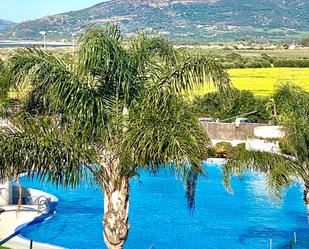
<point x="180" y="20"/>
<point x="5" y="24"/>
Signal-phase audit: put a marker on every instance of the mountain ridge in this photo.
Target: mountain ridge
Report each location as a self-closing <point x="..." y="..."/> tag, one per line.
<point x="5" y="24"/>
<point x="190" y="20"/>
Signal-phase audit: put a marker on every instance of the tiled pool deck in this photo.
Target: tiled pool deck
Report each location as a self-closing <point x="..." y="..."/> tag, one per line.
<point x="11" y="221"/>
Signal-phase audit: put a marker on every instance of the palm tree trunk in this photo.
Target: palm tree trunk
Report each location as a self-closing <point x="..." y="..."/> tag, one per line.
<point x="116" y="214"/>
<point x="115" y="186"/>
<point x="20" y="194"/>
<point x="306" y="197"/>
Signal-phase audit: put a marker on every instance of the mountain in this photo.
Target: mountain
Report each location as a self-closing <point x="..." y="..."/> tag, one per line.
<point x="4" y="24"/>
<point x="180" y="20"/>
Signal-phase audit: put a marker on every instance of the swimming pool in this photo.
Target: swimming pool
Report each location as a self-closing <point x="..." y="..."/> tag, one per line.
<point x="160" y="218"/>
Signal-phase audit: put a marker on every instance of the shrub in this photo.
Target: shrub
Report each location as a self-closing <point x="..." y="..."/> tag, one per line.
<point x="224" y="106"/>
<point x="301" y="63"/>
<point x="233" y="56"/>
<point x="224" y="149"/>
<point x="239" y="64"/>
<point x="241" y="147"/>
<point x="286" y="147"/>
<point x="258" y="63"/>
<point x="266" y="57"/>
<point x="305" y="42"/>
<point x="211" y="151"/>
<point x="1" y="65"/>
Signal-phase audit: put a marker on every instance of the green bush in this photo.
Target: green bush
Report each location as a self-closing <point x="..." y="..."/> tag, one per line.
<point x="1" y="65"/>
<point x="224" y="150"/>
<point x="233" y="56"/>
<point x="301" y="63"/>
<point x="211" y="151"/>
<point x="239" y="64"/>
<point x="305" y="42"/>
<point x="236" y="103"/>
<point x="286" y="147"/>
<point x="258" y="63"/>
<point x="241" y="147"/>
<point x="228" y="65"/>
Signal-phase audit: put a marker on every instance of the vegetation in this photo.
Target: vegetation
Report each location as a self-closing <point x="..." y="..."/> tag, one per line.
<point x="259" y="51"/>
<point x="236" y="103"/>
<point x="266" y="59"/>
<point x="281" y="170"/>
<point x="5" y="85"/>
<point x="224" y="150"/>
<point x="117" y="110"/>
<point x="305" y="42"/>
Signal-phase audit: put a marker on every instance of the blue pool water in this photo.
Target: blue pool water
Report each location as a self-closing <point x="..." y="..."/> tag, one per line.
<point x="160" y="218"/>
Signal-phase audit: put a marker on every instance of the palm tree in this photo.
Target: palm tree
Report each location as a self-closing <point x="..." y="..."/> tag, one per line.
<point x="121" y="107"/>
<point x="281" y="169"/>
<point x="271" y="107"/>
<point x="4" y="84"/>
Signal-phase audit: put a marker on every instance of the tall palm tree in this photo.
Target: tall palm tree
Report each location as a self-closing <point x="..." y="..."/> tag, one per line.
<point x="121" y="107"/>
<point x="280" y="169"/>
<point x="4" y="84"/>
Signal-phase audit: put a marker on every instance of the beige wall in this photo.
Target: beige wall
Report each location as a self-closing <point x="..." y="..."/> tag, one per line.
<point x="229" y="131"/>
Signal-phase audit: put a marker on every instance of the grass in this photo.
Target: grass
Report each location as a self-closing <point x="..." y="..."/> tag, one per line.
<point x="1" y="247"/>
<point x="262" y="81"/>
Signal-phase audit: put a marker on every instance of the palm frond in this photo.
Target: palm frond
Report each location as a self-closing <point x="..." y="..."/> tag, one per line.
<point x="164" y="133"/>
<point x="156" y="48"/>
<point x="293" y="103"/>
<point x="192" y="71"/>
<point x="279" y="170"/>
<point x="42" y="71"/>
<point x="42" y="147"/>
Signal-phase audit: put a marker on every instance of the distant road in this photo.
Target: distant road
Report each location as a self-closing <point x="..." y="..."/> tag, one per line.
<point x="11" y="44"/>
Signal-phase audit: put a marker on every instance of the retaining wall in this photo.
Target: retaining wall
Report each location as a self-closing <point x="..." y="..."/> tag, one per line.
<point x="230" y="131"/>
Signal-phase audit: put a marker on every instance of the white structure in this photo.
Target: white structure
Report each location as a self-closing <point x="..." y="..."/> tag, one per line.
<point x="44" y="33"/>
<point x="39" y="206"/>
<point x="266" y="139"/>
<point x="5" y="193"/>
<point x="73" y="41"/>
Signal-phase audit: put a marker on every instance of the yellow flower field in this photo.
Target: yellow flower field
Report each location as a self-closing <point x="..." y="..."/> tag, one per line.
<point x="263" y="80"/>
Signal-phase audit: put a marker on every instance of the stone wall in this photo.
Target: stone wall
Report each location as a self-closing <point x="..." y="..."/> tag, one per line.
<point x="229" y="131"/>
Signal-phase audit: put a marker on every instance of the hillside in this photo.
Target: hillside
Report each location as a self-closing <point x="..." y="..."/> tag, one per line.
<point x="5" y="24"/>
<point x="180" y="20"/>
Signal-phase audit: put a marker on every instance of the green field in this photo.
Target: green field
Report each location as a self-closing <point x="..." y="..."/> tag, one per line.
<point x="263" y="80"/>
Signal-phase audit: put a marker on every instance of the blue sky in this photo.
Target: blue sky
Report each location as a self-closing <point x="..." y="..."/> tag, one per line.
<point x="21" y="10"/>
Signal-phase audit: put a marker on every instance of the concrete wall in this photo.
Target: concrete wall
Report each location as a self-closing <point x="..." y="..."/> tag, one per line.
<point x="5" y="193"/>
<point x="229" y="131"/>
<point x="262" y="143"/>
<point x="269" y="132"/>
<point x="258" y="144"/>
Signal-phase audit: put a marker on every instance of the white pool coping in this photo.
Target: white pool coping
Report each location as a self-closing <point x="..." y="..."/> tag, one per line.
<point x="220" y="161"/>
<point x="12" y="221"/>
